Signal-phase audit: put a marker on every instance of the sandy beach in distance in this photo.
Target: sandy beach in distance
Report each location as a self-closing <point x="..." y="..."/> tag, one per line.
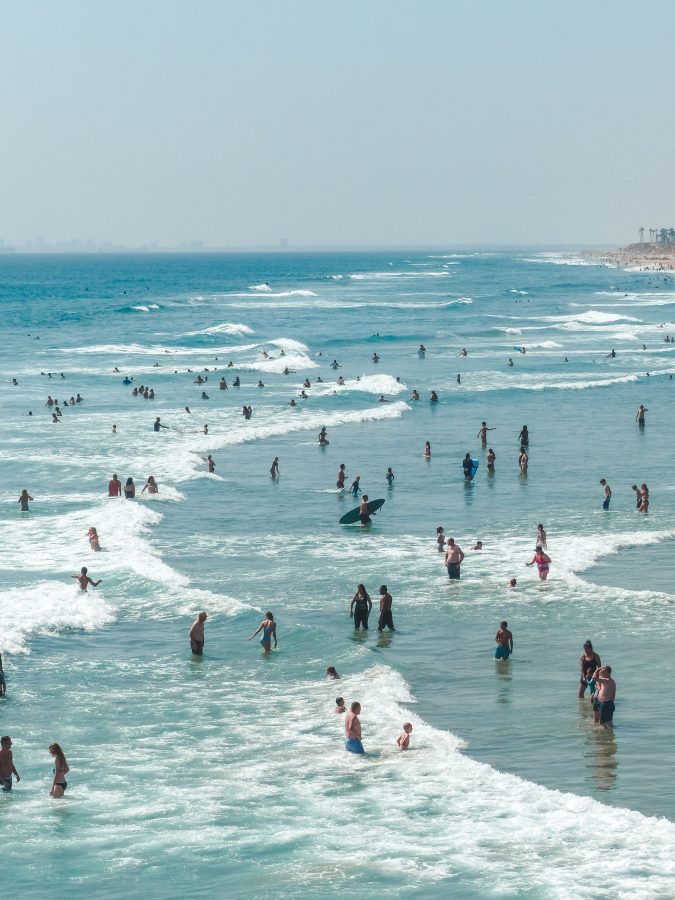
<point x="645" y="257"/>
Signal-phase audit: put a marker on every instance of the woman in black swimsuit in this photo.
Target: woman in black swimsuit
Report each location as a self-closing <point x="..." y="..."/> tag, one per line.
<point x="590" y="661"/>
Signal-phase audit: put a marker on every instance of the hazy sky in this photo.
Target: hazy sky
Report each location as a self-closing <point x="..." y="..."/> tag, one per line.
<point x="241" y="122"/>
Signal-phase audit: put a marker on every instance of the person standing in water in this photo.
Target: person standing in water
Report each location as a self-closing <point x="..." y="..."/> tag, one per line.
<point x="274" y="469"/>
<point x="543" y="561"/>
<point x="7" y="768"/>
<point x="360" y="607"/>
<point x="403" y="740"/>
<point x="114" y="486"/>
<point x="640" y="415"/>
<point x="467" y="464"/>
<point x="385" y="620"/>
<point x="524" y="437"/>
<point x="504" y="640"/>
<point x="482" y="432"/>
<point x="603" y="706"/>
<point x="158" y="424"/>
<point x="196" y="634"/>
<point x="590" y="662"/>
<point x="211" y="464"/>
<point x="427" y="450"/>
<point x="440" y="539"/>
<point x="150" y="486"/>
<point x="353" y="729"/>
<point x="92" y="535"/>
<point x="638" y="496"/>
<point x="61" y="769"/>
<point x="390" y="476"/>
<point x="523" y="461"/>
<point x="606" y="494"/>
<point x="84" y="580"/>
<point x="491" y="457"/>
<point x="269" y="631"/>
<point x="24" y="497"/>
<point x="644" y="499"/>
<point x="341" y="477"/>
<point x="355" y="486"/>
<point x="3" y="683"/>
<point x="541" y="536"/>
<point x="130" y="488"/>
<point x="454" y="556"/>
<point x="364" y="512"/>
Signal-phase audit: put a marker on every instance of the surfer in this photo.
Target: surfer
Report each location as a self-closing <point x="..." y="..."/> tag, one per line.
<point x="211" y="463"/>
<point x="130" y="489"/>
<point x="23" y="500"/>
<point x="7" y="768"/>
<point x="640" y="415"/>
<point x="385" y="610"/>
<point x="84" y="580"/>
<point x="524" y="437"/>
<point x="454" y="555"/>
<point x="389" y="476"/>
<point x="341" y="477"/>
<point x="463" y="352"/>
<point x="196" y="634"/>
<point x="356" y="485"/>
<point x="360" y="607"/>
<point x="491" y="457"/>
<point x="269" y="630"/>
<point x="274" y="469"/>
<point x="482" y="432"/>
<point x="403" y="740"/>
<point x="589" y="661"/>
<point x="612" y="353"/>
<point x="150" y="486"/>
<point x="467" y="465"/>
<point x="353" y="729"/>
<point x="606" y="494"/>
<point x="543" y="561"/>
<point x="603" y="705"/>
<point x="541" y="536"/>
<point x="364" y="514"/>
<point x="114" y="486"/>
<point x="504" y="640"/>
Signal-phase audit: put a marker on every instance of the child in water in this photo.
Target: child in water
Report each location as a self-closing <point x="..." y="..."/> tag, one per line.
<point x="92" y="534"/>
<point x="403" y="740"/>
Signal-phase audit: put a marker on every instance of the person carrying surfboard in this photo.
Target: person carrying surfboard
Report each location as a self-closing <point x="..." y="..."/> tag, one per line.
<point x="467" y="465"/>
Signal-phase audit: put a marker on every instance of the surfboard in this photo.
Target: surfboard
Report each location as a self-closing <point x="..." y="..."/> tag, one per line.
<point x="474" y="467"/>
<point x="352" y="516"/>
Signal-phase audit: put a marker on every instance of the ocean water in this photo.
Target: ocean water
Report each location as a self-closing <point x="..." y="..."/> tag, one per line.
<point x="226" y="776"/>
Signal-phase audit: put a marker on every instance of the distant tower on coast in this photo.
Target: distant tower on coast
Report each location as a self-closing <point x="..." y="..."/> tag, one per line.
<point x="642" y="234"/>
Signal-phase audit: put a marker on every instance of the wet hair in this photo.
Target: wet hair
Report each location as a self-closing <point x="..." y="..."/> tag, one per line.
<point x="361" y="587"/>
<point x="340" y="701"/>
<point x="331" y="670"/>
<point x="588" y="644"/>
<point x="383" y="588"/>
<point x="55" y="750"/>
<point x="483" y="423"/>
<point x="603" y="481"/>
<point x="5" y="740"/>
<point x="439" y="529"/>
<point x="540" y="525"/>
<point x="503" y="624"/>
<point x="84" y="570"/>
<point x="354" y="704"/>
<point x="633" y="487"/>
<point x="269" y="615"/>
<point x="539" y="548"/>
<point x="130" y="480"/>
<point x="608" y="669"/>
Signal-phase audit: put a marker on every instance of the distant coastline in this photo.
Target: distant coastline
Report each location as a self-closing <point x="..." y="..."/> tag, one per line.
<point x="637" y="257"/>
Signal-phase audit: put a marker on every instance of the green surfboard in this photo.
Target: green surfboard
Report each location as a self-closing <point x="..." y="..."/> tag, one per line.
<point x="352" y="516"/>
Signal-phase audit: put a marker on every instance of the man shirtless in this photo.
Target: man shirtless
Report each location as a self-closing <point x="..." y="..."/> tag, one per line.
<point x="603" y="705"/>
<point x="385" y="610"/>
<point x="7" y="764"/>
<point x="196" y="634"/>
<point x="504" y="639"/>
<point x="84" y="580"/>
<point x="640" y="414"/>
<point x="482" y="432"/>
<point x="353" y="729"/>
<point x="454" y="556"/>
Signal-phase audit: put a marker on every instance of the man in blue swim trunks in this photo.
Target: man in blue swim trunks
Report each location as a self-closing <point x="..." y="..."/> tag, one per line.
<point x="453" y="559"/>
<point x="504" y="639"/>
<point x="353" y="729"/>
<point x="603" y="702"/>
<point x="7" y="768"/>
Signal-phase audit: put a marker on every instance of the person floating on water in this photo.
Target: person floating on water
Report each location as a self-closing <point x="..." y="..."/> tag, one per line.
<point x="606" y="493"/>
<point x="196" y="634"/>
<point x="403" y="740"/>
<point x="269" y="631"/>
<point x="360" y="607"/>
<point x="504" y="640"/>
<point x="274" y="468"/>
<point x="353" y="729"/>
<point x="543" y="561"/>
<point x="84" y="580"/>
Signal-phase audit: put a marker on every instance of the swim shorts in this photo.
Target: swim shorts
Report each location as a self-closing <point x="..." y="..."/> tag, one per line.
<point x="6" y="784"/>
<point x="354" y="745"/>
<point x="605" y="502"/>
<point x="453" y="571"/>
<point x="606" y="711"/>
<point x="502" y="652"/>
<point x="197" y="647"/>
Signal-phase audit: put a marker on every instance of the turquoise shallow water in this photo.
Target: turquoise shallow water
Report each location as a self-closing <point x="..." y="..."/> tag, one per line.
<point x="226" y="775"/>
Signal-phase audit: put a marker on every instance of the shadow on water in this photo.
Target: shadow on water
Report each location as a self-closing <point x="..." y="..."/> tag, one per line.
<point x="503" y="671"/>
<point x="600" y="754"/>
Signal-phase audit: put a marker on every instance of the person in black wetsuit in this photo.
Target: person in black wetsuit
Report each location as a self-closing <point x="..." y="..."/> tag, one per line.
<point x="524" y="437"/>
<point x="590" y="661"/>
<point x="466" y="465"/>
<point x="360" y="607"/>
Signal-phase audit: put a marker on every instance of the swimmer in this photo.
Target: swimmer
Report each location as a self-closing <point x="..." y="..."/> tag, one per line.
<point x="150" y="486"/>
<point x="332" y="672"/>
<point x="353" y="729"/>
<point x="463" y="352"/>
<point x="24" y="497"/>
<point x="385" y="619"/>
<point x="360" y="607"/>
<point x="603" y="705"/>
<point x="510" y="362"/>
<point x="440" y="539"/>
<point x="303" y="395"/>
<point x="543" y="561"/>
<point x="274" y="468"/>
<point x="611" y="354"/>
<point x="482" y="432"/>
<point x="7" y="768"/>
<point x="390" y="476"/>
<point x="260" y="384"/>
<point x="504" y="640"/>
<point x="269" y="631"/>
<point x="84" y="580"/>
<point x="114" y="429"/>
<point x="415" y="396"/>
<point x="459" y="379"/>
<point x="61" y="769"/>
<point x="129" y="489"/>
<point x="196" y="634"/>
<point x="158" y="424"/>
<point x="92" y="534"/>
<point x="292" y="402"/>
<point x="340" y="705"/>
<point x="541" y="536"/>
<point x="375" y="358"/>
<point x="606" y="493"/>
<point x="205" y="396"/>
<point x="335" y="365"/>
<point x="434" y="397"/>
<point x="210" y="463"/>
<point x="511" y="583"/>
<point x="3" y="683"/>
<point x="421" y="352"/>
<point x="644" y="499"/>
<point x="403" y="740"/>
<point x="638" y="496"/>
<point x="382" y="400"/>
<point x="323" y="436"/>
<point x="427" y="450"/>
<point x="222" y="385"/>
<point x="114" y="486"/>
<point x="478" y="545"/>
<point x="205" y="429"/>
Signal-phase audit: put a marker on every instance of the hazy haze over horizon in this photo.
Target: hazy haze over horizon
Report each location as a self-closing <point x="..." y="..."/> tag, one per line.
<point x="372" y="124"/>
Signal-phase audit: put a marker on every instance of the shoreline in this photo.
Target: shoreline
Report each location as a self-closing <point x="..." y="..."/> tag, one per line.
<point x="636" y="257"/>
